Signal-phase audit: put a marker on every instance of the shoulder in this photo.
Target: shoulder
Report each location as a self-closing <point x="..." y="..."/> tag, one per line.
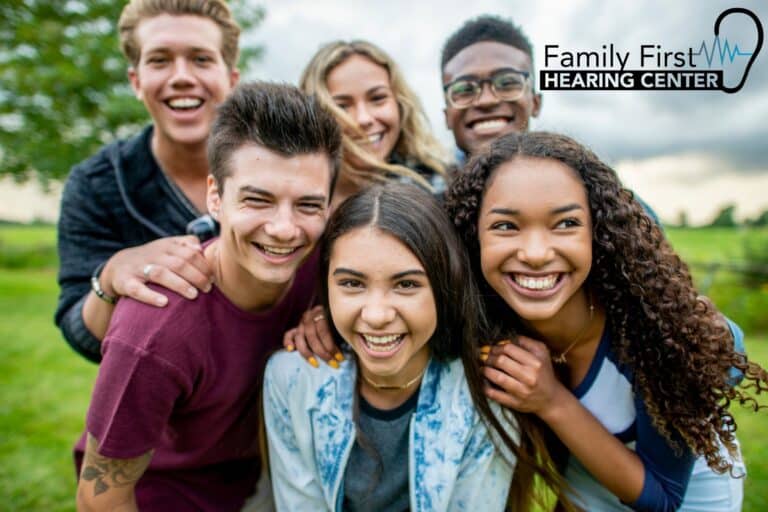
<point x="100" y="168"/>
<point x="181" y="323"/>
<point x="289" y="372"/>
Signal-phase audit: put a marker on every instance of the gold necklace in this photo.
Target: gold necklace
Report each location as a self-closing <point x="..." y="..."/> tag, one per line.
<point x="397" y="387"/>
<point x="561" y="359"/>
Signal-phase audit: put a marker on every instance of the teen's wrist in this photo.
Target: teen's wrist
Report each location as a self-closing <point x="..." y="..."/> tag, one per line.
<point x="107" y="295"/>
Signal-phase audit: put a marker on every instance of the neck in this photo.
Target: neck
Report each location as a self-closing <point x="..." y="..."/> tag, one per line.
<point x="344" y="188"/>
<point x="386" y="393"/>
<point x="180" y="162"/>
<point x="572" y="323"/>
<point x="238" y="285"/>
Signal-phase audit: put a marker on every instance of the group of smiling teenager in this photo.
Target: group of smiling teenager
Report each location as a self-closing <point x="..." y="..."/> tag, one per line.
<point x="510" y="332"/>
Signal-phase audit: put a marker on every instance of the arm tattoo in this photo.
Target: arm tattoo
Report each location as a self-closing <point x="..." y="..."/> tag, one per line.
<point x="107" y="472"/>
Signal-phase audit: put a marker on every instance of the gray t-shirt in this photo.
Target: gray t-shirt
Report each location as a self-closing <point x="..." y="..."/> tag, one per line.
<point x="376" y="477"/>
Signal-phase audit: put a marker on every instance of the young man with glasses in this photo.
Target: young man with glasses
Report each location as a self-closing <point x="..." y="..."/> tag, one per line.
<point x="489" y="84"/>
<point x="488" y="80"/>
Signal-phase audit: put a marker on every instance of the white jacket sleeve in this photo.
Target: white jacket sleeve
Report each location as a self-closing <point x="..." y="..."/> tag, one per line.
<point x="291" y="464"/>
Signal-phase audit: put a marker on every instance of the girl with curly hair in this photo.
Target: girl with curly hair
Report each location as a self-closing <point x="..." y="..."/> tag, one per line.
<point x="636" y="370"/>
<point x="386" y="133"/>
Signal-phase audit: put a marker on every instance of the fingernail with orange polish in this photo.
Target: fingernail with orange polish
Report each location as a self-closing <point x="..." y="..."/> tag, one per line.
<point x="313" y="362"/>
<point x="338" y="356"/>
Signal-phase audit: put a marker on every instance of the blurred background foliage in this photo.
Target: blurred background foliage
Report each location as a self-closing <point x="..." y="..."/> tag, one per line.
<point x="63" y="85"/>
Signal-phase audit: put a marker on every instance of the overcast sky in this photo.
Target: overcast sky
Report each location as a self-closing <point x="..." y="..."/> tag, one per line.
<point x="678" y="150"/>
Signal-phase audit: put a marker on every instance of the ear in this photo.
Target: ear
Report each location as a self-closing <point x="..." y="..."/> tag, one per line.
<point x="213" y="198"/>
<point x="133" y="78"/>
<point x="536" y="105"/>
<point x="234" y="77"/>
<point x="445" y="116"/>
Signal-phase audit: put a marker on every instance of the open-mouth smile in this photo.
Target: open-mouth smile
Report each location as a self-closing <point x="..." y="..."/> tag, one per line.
<point x="382" y="345"/>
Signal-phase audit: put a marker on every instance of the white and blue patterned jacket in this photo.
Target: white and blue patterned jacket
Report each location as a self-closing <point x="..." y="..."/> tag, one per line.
<point x="453" y="463"/>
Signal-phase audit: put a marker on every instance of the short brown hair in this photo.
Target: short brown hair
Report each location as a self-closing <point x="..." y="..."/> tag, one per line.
<point x="278" y="117"/>
<point x="216" y="10"/>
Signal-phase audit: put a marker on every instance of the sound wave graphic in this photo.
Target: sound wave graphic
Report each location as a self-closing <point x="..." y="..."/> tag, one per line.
<point x="724" y="50"/>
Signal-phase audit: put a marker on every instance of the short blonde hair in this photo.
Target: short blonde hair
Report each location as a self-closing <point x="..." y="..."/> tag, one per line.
<point x="415" y="143"/>
<point x="216" y="10"/>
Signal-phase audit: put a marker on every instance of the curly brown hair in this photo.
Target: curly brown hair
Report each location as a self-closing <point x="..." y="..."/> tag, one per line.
<point x="679" y="347"/>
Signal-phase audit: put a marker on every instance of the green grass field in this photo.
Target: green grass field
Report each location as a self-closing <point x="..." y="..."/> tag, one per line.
<point x="45" y="386"/>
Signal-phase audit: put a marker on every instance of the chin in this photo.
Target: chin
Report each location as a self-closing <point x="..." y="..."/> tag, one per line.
<point x="534" y="312"/>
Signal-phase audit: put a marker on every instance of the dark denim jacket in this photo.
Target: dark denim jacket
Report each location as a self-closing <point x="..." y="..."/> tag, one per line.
<point x="116" y="199"/>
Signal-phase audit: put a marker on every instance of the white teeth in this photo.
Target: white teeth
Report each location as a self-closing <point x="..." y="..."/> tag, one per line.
<point x="280" y="251"/>
<point x="382" y="343"/>
<point x="185" y="102"/>
<point x="373" y="139"/>
<point x="536" y="283"/>
<point x="489" y="125"/>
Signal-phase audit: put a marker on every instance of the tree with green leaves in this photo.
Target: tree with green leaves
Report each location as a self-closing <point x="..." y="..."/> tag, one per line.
<point x="725" y="218"/>
<point x="63" y="85"/>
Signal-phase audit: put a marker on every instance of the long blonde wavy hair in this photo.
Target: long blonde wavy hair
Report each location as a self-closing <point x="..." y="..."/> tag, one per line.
<point x="415" y="144"/>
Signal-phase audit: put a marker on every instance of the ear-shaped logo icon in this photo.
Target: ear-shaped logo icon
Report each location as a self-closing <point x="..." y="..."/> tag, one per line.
<point x="759" y="44"/>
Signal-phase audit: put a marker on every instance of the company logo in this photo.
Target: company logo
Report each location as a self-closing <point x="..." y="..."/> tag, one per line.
<point x="698" y="68"/>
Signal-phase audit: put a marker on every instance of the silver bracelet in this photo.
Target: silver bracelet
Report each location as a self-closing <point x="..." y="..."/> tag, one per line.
<point x="96" y="286"/>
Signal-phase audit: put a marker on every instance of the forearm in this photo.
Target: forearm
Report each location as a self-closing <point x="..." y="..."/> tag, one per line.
<point x="614" y="465"/>
<point x="96" y="315"/>
<point x="77" y="334"/>
<point x="87" y="504"/>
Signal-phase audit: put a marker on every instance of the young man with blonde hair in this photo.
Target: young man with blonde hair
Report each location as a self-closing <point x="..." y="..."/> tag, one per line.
<point x="123" y="209"/>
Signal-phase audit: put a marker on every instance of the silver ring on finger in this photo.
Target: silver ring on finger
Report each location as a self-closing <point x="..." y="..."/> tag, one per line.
<point x="147" y="269"/>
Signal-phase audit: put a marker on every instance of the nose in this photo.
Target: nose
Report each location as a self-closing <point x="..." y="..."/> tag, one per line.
<point x="182" y="73"/>
<point x="282" y="226"/>
<point x="487" y="98"/>
<point x="363" y="116"/>
<point x="536" y="249"/>
<point x="377" y="312"/>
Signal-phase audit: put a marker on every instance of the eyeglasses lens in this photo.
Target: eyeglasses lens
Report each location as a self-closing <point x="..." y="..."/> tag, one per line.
<point x="507" y="86"/>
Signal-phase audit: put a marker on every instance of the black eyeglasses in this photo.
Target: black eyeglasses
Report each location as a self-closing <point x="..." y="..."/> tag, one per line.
<point x="506" y="84"/>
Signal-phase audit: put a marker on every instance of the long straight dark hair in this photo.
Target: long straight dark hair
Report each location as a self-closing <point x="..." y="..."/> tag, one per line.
<point x="414" y="217"/>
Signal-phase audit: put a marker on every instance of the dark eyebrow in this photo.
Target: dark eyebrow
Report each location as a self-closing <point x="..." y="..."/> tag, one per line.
<point x="408" y="273"/>
<point x="313" y="198"/>
<point x="249" y="189"/>
<point x="567" y="208"/>
<point x="492" y="73"/>
<point x="505" y="211"/>
<point x="342" y="270"/>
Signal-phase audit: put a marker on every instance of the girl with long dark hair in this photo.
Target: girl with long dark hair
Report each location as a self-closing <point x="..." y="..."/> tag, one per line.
<point x="635" y="371"/>
<point x="402" y="424"/>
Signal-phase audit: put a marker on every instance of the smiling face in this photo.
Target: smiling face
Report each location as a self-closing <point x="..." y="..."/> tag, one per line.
<point x="362" y="89"/>
<point x="181" y="76"/>
<point x="488" y="118"/>
<point x="535" y="237"/>
<point x="382" y="304"/>
<point x="272" y="211"/>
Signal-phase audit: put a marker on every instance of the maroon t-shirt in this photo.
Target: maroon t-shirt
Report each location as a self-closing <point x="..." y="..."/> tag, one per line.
<point x="185" y="380"/>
